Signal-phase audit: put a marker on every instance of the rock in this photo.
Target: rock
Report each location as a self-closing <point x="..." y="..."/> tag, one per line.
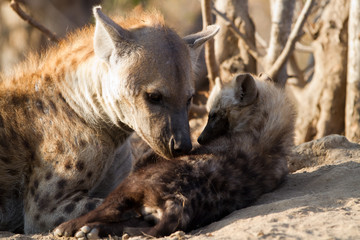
<point x="331" y="149"/>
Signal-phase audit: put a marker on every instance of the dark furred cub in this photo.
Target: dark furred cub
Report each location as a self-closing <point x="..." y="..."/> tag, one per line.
<point x="246" y="141"/>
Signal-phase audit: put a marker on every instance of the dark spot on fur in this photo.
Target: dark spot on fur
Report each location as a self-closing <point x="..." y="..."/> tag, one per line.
<point x="77" y="199"/>
<point x="12" y="172"/>
<point x="58" y="195"/>
<point x="82" y="143"/>
<point x="89" y="174"/>
<point x="68" y="165"/>
<point x="80" y="165"/>
<point x="36" y="184"/>
<point x="39" y="105"/>
<point x="32" y="191"/>
<point x="81" y="182"/>
<point x="59" y="221"/>
<point x="13" y="134"/>
<point x="60" y="147"/>
<point x="90" y="206"/>
<point x="53" y="106"/>
<point x="4" y="142"/>
<point x="1" y="122"/>
<point x="47" y="78"/>
<point x="43" y="202"/>
<point x="69" y="208"/>
<point x="36" y="197"/>
<point x="53" y="210"/>
<point x="48" y="175"/>
<point x="16" y="100"/>
<point x="68" y="112"/>
<point x="61" y="183"/>
<point x="37" y="217"/>
<point x="5" y="160"/>
<point x="61" y="97"/>
<point x="42" y="225"/>
<point x="26" y="144"/>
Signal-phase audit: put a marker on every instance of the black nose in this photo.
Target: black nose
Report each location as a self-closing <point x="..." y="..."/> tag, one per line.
<point x="179" y="148"/>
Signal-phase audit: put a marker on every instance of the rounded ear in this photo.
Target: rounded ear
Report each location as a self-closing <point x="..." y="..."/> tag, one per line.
<point x="246" y="91"/>
<point x="108" y="35"/>
<point x="264" y="76"/>
<point x="196" y="41"/>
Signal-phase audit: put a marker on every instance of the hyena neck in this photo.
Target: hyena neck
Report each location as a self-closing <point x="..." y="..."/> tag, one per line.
<point x="87" y="90"/>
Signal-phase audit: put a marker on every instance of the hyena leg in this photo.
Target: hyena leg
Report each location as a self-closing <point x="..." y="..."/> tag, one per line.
<point x="43" y="213"/>
<point x="174" y="218"/>
<point x="118" y="207"/>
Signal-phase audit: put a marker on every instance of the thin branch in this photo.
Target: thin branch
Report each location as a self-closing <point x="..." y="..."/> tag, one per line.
<point x="303" y="48"/>
<point x="212" y="67"/>
<point x="16" y="7"/>
<point x="260" y="40"/>
<point x="293" y="37"/>
<point x="250" y="47"/>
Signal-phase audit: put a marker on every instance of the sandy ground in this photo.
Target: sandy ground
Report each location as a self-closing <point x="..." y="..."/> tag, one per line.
<point x="319" y="200"/>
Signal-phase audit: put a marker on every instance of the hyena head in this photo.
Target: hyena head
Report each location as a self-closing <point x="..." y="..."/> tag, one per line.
<point x="252" y="106"/>
<point x="151" y="77"/>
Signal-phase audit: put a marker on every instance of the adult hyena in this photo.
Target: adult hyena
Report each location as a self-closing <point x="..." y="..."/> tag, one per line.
<point x="247" y="139"/>
<point x="65" y="115"/>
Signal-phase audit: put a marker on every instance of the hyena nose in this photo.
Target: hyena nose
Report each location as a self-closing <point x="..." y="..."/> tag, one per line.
<point x="179" y="148"/>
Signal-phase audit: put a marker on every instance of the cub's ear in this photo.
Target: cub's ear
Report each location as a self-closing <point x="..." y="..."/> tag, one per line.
<point x="246" y="91"/>
<point x="264" y="76"/>
<point x="109" y="37"/>
<point x="196" y="41"/>
<point x="215" y="92"/>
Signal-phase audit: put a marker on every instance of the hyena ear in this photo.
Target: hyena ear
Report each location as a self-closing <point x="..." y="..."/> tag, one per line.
<point x="195" y="41"/>
<point x="246" y="91"/>
<point x="215" y="91"/>
<point x="108" y="35"/>
<point x="265" y="77"/>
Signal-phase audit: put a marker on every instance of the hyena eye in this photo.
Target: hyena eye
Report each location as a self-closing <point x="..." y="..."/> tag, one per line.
<point x="154" y="98"/>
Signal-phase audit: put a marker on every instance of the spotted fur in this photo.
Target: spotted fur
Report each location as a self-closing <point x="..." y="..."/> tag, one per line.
<point x="244" y="157"/>
<point x="67" y="114"/>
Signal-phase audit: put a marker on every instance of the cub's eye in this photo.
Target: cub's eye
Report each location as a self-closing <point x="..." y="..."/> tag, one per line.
<point x="189" y="101"/>
<point x="154" y="97"/>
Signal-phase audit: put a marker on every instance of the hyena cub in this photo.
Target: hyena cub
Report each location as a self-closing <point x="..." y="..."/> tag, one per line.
<point x="246" y="141"/>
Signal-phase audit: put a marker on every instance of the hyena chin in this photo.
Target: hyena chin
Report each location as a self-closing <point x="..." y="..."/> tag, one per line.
<point x="65" y="117"/>
<point x="247" y="139"/>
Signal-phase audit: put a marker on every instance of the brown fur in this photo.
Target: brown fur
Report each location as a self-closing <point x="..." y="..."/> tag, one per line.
<point x="244" y="157"/>
<point x="66" y="115"/>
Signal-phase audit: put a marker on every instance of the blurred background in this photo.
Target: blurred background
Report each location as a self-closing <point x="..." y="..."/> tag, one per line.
<point x="321" y="73"/>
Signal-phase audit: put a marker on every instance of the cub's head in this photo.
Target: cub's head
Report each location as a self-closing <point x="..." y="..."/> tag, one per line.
<point x="249" y="107"/>
<point x="149" y="86"/>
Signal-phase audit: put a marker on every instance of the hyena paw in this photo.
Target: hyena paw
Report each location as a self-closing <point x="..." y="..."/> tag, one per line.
<point x="87" y="232"/>
<point x="66" y="229"/>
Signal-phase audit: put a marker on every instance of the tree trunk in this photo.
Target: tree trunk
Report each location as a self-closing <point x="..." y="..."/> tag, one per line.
<point x="281" y="18"/>
<point x="352" y="110"/>
<point x="322" y="102"/>
<point x="229" y="49"/>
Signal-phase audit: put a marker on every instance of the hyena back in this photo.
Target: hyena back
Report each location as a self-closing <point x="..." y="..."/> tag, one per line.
<point x="246" y="141"/>
<point x="65" y="116"/>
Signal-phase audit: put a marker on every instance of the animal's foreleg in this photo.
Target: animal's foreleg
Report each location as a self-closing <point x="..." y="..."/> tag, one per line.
<point x="44" y="211"/>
